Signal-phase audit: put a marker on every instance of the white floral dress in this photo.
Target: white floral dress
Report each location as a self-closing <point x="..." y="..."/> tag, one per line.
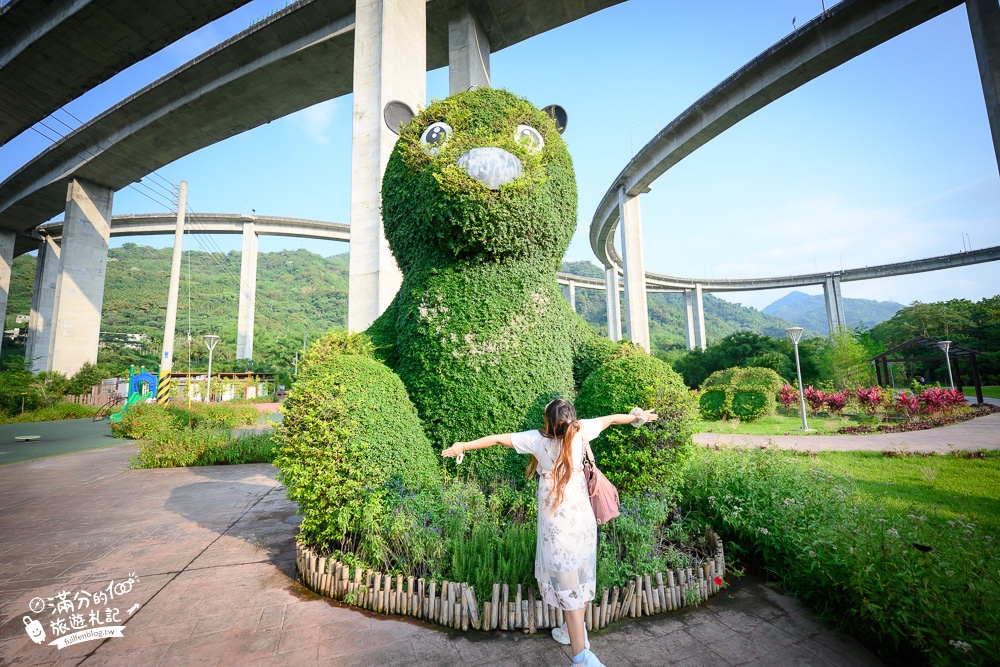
<point x="566" y="553"/>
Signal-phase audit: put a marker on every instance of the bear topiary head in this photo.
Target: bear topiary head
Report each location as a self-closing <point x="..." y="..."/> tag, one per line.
<point x="480" y="176"/>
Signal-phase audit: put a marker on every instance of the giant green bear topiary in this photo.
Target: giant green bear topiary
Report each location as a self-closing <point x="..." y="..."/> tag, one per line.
<point x="479" y="205"/>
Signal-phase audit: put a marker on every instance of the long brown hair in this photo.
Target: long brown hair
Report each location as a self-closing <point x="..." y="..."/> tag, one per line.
<point x="560" y="424"/>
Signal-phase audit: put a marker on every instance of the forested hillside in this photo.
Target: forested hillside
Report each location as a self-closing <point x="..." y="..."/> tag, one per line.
<point x="298" y="292"/>
<point x="666" y="314"/>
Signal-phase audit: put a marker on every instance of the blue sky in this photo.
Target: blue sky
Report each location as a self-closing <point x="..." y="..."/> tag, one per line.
<point x="888" y="158"/>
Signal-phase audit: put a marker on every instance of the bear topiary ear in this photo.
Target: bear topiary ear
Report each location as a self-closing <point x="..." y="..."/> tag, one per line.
<point x="558" y="116"/>
<point x="397" y="114"/>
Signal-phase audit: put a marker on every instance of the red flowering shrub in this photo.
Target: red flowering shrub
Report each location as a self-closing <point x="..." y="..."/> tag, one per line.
<point x="836" y="403"/>
<point x="908" y="404"/>
<point x="788" y="396"/>
<point x="935" y="399"/>
<point x="871" y="399"/>
<point x="815" y="398"/>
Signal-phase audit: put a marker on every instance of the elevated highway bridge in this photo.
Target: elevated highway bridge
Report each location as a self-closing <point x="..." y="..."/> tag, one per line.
<point x="316" y="50"/>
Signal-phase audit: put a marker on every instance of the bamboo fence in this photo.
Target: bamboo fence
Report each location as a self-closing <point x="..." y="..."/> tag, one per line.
<point x="507" y="607"/>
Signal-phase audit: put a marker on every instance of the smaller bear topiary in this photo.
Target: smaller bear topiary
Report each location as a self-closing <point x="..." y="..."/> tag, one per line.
<point x="745" y="393"/>
<point x="350" y="433"/>
<point x="651" y="458"/>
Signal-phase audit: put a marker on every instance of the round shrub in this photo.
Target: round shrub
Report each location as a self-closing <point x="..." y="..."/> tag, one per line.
<point x="749" y="405"/>
<point x="652" y="457"/>
<point x="596" y="351"/>
<point x="350" y="437"/>
<point x="715" y="404"/>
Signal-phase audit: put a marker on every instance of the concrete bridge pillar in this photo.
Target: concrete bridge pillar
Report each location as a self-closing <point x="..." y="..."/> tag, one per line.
<point x="636" y="312"/>
<point x="984" y="21"/>
<point x="468" y="51"/>
<point x="614" y="312"/>
<point x="689" y="318"/>
<point x="390" y="62"/>
<point x="248" y="292"/>
<point x="569" y="291"/>
<point x="79" y="292"/>
<point x="834" y="304"/>
<point x="6" y="260"/>
<point x="43" y="298"/>
<point x="699" y="300"/>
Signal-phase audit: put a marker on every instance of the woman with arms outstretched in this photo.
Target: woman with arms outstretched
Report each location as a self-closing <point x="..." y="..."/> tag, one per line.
<point x="566" y="551"/>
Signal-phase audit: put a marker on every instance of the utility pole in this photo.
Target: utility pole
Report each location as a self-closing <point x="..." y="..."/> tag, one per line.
<point x="167" y="359"/>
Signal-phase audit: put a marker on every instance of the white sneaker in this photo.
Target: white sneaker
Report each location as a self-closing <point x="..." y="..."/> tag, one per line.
<point x="561" y="635"/>
<point x="588" y="659"/>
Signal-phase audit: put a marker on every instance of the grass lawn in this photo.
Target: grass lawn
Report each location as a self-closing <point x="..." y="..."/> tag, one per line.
<point x="775" y="425"/>
<point x="946" y="486"/>
<point x="988" y="392"/>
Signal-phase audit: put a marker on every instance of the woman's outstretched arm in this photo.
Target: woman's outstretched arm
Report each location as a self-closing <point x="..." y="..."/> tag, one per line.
<point x="641" y="418"/>
<point x="481" y="443"/>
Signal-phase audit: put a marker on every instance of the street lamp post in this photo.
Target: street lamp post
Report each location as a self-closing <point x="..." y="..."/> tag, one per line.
<point x="210" y="342"/>
<point x="944" y="345"/>
<point x="795" y="333"/>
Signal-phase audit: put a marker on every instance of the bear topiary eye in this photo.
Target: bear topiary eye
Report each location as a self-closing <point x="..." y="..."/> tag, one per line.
<point x="435" y="137"/>
<point x="529" y="137"/>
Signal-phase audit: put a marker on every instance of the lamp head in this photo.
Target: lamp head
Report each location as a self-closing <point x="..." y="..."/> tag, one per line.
<point x="944" y="345"/>
<point x="210" y="341"/>
<point x="795" y="333"/>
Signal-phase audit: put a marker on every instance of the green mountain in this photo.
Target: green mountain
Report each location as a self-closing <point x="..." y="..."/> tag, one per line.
<point x="809" y="311"/>
<point x="666" y="314"/>
<point x="298" y="293"/>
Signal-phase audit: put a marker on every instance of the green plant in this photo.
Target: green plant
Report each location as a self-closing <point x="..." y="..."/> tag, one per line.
<point x="915" y="584"/>
<point x="652" y="457"/>
<point x="349" y="432"/>
<point x="489" y="556"/>
<point x="715" y="404"/>
<point x="143" y="421"/>
<point x="55" y="412"/>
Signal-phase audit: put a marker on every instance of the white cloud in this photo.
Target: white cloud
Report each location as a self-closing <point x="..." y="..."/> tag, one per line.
<point x="316" y="120"/>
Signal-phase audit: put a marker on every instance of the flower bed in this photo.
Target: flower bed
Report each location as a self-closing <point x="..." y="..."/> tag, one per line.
<point x="919" y="424"/>
<point x="509" y="607"/>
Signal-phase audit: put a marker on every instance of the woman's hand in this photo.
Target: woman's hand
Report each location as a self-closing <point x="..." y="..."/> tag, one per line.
<point x="456" y="449"/>
<point x="650" y="415"/>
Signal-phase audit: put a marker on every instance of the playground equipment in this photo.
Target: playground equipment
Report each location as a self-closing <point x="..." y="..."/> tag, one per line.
<point x="141" y="388"/>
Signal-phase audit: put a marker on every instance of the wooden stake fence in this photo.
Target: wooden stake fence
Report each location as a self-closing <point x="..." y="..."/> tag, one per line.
<point x="508" y="607"/>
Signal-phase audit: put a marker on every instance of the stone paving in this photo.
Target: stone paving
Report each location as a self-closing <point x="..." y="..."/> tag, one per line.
<point x="213" y="552"/>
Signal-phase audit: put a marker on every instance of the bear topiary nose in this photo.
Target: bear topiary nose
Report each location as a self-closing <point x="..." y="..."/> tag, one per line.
<point x="490" y="166"/>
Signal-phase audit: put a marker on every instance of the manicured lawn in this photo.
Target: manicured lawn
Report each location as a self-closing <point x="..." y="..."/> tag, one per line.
<point x="775" y="425"/>
<point x="988" y="392"/>
<point x="947" y="486"/>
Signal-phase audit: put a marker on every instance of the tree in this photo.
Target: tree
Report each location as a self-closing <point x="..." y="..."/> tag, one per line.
<point x="844" y="361"/>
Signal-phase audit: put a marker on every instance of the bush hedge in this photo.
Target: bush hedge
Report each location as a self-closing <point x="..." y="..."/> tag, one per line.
<point x="648" y="459"/>
<point x="349" y="433"/>
<point x="922" y="588"/>
<point x="745" y="393"/>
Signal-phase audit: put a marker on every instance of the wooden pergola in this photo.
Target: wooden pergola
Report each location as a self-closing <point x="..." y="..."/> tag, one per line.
<point x="955" y="352"/>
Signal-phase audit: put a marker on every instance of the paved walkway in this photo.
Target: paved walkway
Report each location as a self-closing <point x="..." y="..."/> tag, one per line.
<point x="57" y="437"/>
<point x="973" y="435"/>
<point x="212" y="551"/>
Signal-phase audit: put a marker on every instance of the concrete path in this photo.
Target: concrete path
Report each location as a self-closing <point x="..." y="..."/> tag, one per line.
<point x="210" y="555"/>
<point x="973" y="435"/>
